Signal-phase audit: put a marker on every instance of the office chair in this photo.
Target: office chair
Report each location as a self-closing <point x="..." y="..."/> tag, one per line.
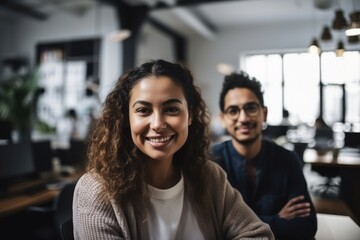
<point x="56" y="214"/>
<point x="330" y="188"/>
<point x="63" y="206"/>
<point x="67" y="229"/>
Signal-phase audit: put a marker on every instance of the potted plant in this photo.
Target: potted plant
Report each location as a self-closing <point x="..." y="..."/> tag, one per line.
<point x="18" y="96"/>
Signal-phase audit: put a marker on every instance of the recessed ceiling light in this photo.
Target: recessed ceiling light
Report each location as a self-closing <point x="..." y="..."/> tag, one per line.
<point x="119" y="35"/>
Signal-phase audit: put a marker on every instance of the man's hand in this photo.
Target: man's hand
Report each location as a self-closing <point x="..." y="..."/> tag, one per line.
<point x="295" y="208"/>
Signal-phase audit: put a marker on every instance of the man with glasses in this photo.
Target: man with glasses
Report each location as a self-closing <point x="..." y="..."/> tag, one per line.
<point x="268" y="176"/>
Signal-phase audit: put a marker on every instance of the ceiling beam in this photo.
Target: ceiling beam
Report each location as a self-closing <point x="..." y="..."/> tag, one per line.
<point x="23" y="9"/>
<point x="195" y="2"/>
<point x="190" y="18"/>
<point x="194" y="22"/>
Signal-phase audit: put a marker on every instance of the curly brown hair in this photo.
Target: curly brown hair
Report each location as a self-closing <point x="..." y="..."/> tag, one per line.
<point x="113" y="155"/>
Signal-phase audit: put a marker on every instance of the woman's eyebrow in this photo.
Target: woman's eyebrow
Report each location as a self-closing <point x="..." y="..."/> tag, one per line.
<point x="169" y="101"/>
<point x="142" y="102"/>
<point x="172" y="100"/>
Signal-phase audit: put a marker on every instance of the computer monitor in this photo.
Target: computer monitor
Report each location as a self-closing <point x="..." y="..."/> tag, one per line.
<point x="75" y="155"/>
<point x="5" y="131"/>
<point x="352" y="140"/>
<point x="42" y="156"/>
<point x="275" y="131"/>
<point x="16" y="164"/>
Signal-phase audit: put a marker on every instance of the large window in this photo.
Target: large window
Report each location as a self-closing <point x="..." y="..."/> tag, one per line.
<point x="66" y="68"/>
<point x="308" y="85"/>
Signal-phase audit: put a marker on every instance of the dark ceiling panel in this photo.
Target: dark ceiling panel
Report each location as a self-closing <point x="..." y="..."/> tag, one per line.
<point x="23" y="9"/>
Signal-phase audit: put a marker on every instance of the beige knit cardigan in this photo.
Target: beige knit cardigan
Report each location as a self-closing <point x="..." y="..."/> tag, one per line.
<point x="95" y="216"/>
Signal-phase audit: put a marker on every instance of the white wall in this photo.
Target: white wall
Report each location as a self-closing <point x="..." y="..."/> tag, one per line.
<point x="19" y="37"/>
<point x="153" y="44"/>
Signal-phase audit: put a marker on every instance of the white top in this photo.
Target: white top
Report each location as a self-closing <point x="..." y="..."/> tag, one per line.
<point x="171" y="216"/>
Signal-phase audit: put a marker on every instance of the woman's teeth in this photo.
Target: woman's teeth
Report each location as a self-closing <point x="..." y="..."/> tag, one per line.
<point x="159" y="140"/>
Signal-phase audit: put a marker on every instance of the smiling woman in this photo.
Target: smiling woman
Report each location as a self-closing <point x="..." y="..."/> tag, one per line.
<point x="147" y="175"/>
<point x="159" y="119"/>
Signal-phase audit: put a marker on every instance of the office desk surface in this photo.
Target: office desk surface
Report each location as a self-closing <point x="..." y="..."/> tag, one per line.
<point x="18" y="203"/>
<point x="344" y="159"/>
<point x="336" y="227"/>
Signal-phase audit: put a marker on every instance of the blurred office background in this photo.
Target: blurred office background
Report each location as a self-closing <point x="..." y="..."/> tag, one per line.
<point x="74" y="50"/>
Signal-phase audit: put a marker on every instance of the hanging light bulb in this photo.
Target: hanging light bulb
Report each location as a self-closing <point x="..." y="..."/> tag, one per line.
<point x="326" y="34"/>
<point x="353" y="28"/>
<point x="340" y="49"/>
<point x="314" y="47"/>
<point x="339" y="22"/>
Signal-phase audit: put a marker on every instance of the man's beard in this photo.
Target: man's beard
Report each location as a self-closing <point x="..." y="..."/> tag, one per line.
<point x="249" y="141"/>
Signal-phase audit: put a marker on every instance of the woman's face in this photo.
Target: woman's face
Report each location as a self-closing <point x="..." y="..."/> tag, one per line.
<point x="159" y="117"/>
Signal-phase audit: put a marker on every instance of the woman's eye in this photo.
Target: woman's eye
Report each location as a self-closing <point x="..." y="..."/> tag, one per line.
<point x="142" y="110"/>
<point x="172" y="110"/>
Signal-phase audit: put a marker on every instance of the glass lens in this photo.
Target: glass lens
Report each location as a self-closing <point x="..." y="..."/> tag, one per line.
<point x="232" y="112"/>
<point x="251" y="109"/>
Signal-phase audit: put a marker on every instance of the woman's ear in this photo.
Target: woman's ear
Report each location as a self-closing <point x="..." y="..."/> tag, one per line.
<point x="190" y="120"/>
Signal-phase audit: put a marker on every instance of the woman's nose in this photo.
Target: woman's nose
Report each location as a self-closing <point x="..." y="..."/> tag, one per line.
<point x="157" y="122"/>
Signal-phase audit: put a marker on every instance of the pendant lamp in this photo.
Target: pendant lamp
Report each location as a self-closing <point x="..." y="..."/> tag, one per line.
<point x="314" y="46"/>
<point x="339" y="22"/>
<point x="340" y="49"/>
<point x="353" y="28"/>
<point x="326" y="34"/>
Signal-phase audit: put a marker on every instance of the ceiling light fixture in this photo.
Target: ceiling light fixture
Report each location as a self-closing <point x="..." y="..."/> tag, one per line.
<point x="323" y="4"/>
<point x="225" y="68"/>
<point x="353" y="28"/>
<point x="340" y="49"/>
<point x="314" y="46"/>
<point x="326" y="34"/>
<point x="339" y="22"/>
<point x="118" y="36"/>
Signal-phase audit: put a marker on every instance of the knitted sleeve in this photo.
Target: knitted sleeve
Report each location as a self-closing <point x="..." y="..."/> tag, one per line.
<point x="93" y="214"/>
<point x="237" y="219"/>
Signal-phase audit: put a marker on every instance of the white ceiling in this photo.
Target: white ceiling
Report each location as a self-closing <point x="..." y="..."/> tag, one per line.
<point x="229" y="14"/>
<point x="218" y="15"/>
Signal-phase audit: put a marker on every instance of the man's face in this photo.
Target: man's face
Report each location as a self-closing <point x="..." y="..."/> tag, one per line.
<point x="243" y="116"/>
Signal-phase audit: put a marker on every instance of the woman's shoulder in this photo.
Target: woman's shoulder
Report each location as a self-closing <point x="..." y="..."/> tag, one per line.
<point x="89" y="178"/>
<point x="89" y="186"/>
<point x="214" y="169"/>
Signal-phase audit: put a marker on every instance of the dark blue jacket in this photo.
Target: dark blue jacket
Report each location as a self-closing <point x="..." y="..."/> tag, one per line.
<point x="279" y="177"/>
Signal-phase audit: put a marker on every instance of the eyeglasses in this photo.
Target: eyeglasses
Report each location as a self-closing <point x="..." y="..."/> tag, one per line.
<point x="251" y="109"/>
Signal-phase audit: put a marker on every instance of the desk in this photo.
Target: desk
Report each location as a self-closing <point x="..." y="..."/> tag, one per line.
<point x="19" y="202"/>
<point x="336" y="227"/>
<point x="344" y="159"/>
<point x="349" y="171"/>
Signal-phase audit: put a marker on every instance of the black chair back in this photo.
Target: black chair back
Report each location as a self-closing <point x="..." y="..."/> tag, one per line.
<point x="67" y="229"/>
<point x="63" y="206"/>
